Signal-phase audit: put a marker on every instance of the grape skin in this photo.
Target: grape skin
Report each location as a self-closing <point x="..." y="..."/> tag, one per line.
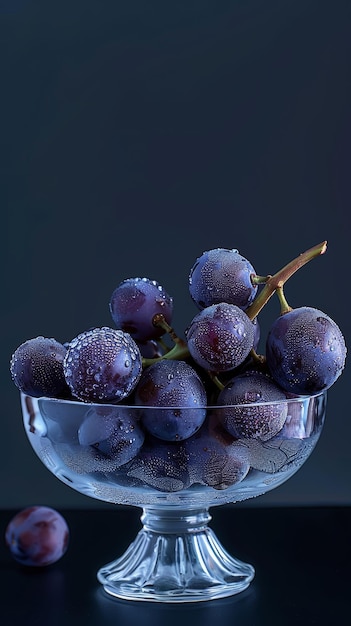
<point x="170" y="383"/>
<point x="220" y="337"/>
<point x="244" y="419"/>
<point x="161" y="465"/>
<point x="257" y="333"/>
<point x="294" y="442"/>
<point x="102" y="365"/>
<point x="150" y="349"/>
<point x="37" y="368"/>
<point x="214" y="458"/>
<point x="135" y="302"/>
<point x="113" y="431"/>
<point x="37" y="536"/>
<point x="222" y="275"/>
<point x="62" y="425"/>
<point x="181" y="446"/>
<point x="305" y="351"/>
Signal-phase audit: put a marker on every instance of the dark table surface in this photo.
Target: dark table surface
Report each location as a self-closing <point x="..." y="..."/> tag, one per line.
<point x="301" y="556"/>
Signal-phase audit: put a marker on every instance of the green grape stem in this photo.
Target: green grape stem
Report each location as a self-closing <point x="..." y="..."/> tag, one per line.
<point x="258" y="359"/>
<point x="180" y="350"/>
<point x="259" y="280"/>
<point x="272" y="283"/>
<point x="215" y="380"/>
<point x="284" y="306"/>
<point x="277" y="280"/>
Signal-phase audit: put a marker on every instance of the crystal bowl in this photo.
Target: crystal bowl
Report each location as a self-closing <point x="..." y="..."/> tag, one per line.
<point x="103" y="451"/>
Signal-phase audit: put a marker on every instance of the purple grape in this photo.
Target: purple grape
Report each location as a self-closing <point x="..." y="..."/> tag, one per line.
<point x="161" y="465"/>
<point x="305" y="351"/>
<point x="62" y="419"/>
<point x="173" y="384"/>
<point x="257" y="407"/>
<point x="102" y="365"/>
<point x="222" y="275"/>
<point x="150" y="349"/>
<point x="135" y="302"/>
<point x="37" y="536"/>
<point x="37" y="368"/>
<point x="294" y="442"/>
<point x="257" y="333"/>
<point x="220" y="337"/>
<point x="214" y="459"/>
<point x="84" y="460"/>
<point x="113" y="431"/>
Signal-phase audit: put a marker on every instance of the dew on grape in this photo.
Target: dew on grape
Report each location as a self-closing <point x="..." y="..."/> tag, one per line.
<point x="161" y="465"/>
<point x="256" y="407"/>
<point x="114" y="432"/>
<point x="222" y="275"/>
<point x="104" y="353"/>
<point x="220" y="337"/>
<point x="214" y="461"/>
<point x="133" y="305"/>
<point x="117" y="408"/>
<point x="37" y="368"/>
<point x="174" y="399"/>
<point x="299" y="354"/>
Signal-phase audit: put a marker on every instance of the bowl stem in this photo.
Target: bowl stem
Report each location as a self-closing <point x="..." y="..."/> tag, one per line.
<point x="175" y="557"/>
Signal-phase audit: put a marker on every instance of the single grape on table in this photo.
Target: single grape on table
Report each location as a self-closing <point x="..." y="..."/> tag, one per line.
<point x="37" y="536"/>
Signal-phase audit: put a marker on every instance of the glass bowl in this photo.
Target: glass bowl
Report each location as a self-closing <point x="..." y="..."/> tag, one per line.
<point x="102" y="451"/>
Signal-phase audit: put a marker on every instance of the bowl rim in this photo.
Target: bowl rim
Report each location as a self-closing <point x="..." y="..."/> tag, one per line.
<point x="76" y="402"/>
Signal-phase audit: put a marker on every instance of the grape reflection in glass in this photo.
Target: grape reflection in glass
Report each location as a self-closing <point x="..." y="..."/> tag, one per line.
<point x="100" y="451"/>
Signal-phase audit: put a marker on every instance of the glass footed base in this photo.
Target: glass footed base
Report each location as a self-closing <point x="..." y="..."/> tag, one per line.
<point x="176" y="557"/>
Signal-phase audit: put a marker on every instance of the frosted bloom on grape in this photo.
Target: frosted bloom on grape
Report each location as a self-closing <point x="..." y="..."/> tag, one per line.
<point x="113" y="431"/>
<point x="37" y="368"/>
<point x="135" y="302"/>
<point x="256" y="407"/>
<point x="215" y="461"/>
<point x="174" y="398"/>
<point x="222" y="275"/>
<point x="305" y="351"/>
<point x="161" y="465"/>
<point x="220" y="337"/>
<point x="102" y="365"/>
<point x="294" y="442"/>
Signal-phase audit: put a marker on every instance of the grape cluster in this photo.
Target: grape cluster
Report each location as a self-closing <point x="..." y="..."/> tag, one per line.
<point x="216" y="364"/>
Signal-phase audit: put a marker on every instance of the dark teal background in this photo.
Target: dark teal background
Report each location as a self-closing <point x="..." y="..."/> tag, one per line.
<point x="135" y="135"/>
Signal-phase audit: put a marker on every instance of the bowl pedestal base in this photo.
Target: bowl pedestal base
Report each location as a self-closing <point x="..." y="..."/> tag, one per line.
<point x="175" y="557"/>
